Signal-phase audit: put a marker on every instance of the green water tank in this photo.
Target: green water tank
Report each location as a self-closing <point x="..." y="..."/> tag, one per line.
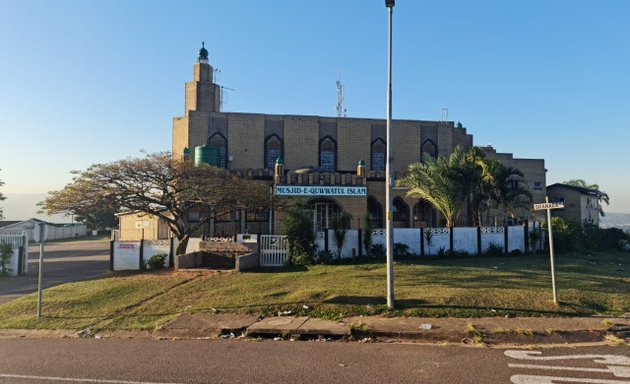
<point x="207" y="155"/>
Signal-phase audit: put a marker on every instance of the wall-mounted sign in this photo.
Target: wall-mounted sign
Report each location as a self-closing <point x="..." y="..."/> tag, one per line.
<point x="294" y="190"/>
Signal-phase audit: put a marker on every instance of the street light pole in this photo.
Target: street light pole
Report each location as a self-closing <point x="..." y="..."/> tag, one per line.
<point x="389" y="235"/>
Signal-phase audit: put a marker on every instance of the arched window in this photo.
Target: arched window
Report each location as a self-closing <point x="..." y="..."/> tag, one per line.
<point x="217" y="140"/>
<point x="378" y="155"/>
<point x="375" y="209"/>
<point x="401" y="211"/>
<point x="324" y="210"/>
<point x="273" y="150"/>
<point x="428" y="148"/>
<point x="424" y="214"/>
<point x="328" y="154"/>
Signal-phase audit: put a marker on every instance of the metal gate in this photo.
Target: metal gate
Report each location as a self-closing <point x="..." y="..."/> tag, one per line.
<point x="274" y="251"/>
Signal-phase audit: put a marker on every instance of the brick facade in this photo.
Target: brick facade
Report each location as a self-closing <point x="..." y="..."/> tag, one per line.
<point x="335" y="145"/>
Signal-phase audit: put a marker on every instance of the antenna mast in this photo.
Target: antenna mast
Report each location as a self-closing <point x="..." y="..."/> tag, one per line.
<point x="341" y="108"/>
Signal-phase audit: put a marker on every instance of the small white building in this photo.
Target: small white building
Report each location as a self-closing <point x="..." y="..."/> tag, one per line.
<point x="55" y="231"/>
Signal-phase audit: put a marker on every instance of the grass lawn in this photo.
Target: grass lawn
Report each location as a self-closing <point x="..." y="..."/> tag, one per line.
<point x="593" y="283"/>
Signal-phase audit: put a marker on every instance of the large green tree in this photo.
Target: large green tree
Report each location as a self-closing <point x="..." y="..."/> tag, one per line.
<point x="440" y="182"/>
<point x="160" y="186"/>
<point x="602" y="196"/>
<point x="95" y="212"/>
<point x="467" y="178"/>
<point x="508" y="191"/>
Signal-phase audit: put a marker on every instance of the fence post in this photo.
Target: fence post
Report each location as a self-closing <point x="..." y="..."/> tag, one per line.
<point x="450" y="240"/>
<point x="505" y="238"/>
<point x="326" y="240"/>
<point x="111" y="255"/>
<point x="359" y="242"/>
<point x="479" y="249"/>
<point x="421" y="242"/>
<point x="141" y="256"/>
<point x="526" y="235"/>
<point x="171" y="261"/>
<point x="20" y="267"/>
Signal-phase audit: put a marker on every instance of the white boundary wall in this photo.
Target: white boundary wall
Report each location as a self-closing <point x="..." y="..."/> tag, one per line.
<point x="464" y="239"/>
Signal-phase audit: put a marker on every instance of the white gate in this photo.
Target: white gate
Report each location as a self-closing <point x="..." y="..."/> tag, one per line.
<point x="274" y="251"/>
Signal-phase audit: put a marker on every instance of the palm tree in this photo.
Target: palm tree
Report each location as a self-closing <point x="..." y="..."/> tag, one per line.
<point x="440" y="182"/>
<point x="508" y="190"/>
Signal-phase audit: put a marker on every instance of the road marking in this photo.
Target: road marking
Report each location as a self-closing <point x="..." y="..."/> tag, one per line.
<point x="615" y="370"/>
<point x="75" y="380"/>
<point x="533" y="379"/>
<point x="602" y="359"/>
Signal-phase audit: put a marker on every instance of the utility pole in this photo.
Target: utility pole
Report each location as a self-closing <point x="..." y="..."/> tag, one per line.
<point x="389" y="235"/>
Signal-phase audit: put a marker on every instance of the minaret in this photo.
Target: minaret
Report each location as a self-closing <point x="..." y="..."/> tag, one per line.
<point x="202" y="94"/>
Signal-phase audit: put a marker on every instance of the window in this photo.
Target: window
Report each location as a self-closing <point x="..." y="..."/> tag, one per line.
<point x="217" y="140"/>
<point x="375" y="209"/>
<point x="273" y="150"/>
<point x="378" y="155"/>
<point x="327" y="154"/>
<point x="428" y="148"/>
<point x="324" y="211"/>
<point x="424" y="214"/>
<point x="252" y="216"/>
<point x="401" y="211"/>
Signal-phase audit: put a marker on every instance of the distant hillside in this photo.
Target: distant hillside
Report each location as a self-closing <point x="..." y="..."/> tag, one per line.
<point x="22" y="206"/>
<point x="616" y="220"/>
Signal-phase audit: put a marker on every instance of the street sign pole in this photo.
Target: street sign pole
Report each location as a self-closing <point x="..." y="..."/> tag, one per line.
<point x="551" y="255"/>
<point x="42" y="236"/>
<point x="548" y="207"/>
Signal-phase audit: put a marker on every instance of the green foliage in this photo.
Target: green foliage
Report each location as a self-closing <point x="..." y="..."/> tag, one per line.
<point x="368" y="227"/>
<point x="494" y="250"/>
<point x="158" y="185"/>
<point x="324" y="257"/>
<point x="570" y="236"/>
<point x="6" y="251"/>
<point x="378" y="251"/>
<point x="156" y="261"/>
<point x="340" y="225"/>
<point x="401" y="250"/>
<point x="299" y="230"/>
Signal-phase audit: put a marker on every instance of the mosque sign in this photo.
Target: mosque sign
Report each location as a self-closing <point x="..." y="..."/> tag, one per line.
<point x="294" y="190"/>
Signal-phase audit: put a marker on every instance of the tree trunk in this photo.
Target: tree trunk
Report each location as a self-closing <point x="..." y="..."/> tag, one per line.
<point x="181" y="247"/>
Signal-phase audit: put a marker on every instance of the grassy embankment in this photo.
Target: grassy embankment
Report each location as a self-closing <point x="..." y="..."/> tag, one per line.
<point x="594" y="283"/>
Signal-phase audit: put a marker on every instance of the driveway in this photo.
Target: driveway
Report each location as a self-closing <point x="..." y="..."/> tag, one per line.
<point x="63" y="262"/>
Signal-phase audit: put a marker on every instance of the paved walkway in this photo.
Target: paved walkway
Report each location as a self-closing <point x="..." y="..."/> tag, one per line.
<point x="492" y="330"/>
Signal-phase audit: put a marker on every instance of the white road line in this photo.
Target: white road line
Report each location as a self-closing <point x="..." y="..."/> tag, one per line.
<point x="532" y="379"/>
<point x="100" y="381"/>
<point x="616" y="370"/>
<point x="601" y="359"/>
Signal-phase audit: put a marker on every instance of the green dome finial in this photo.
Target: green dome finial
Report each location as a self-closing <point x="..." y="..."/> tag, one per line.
<point x="459" y="125"/>
<point x="203" y="54"/>
<point x="279" y="161"/>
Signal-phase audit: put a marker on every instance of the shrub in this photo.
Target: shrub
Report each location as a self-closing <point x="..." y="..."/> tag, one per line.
<point x="156" y="261"/>
<point x="378" y="251"/>
<point x="494" y="250"/>
<point x="324" y="257"/>
<point x="299" y="230"/>
<point x="401" y="250"/>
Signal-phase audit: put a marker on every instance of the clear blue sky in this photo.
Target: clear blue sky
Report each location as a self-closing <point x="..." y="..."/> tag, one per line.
<point x="83" y="82"/>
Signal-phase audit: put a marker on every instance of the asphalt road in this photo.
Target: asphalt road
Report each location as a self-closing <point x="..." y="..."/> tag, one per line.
<point x="63" y="262"/>
<point x="137" y="361"/>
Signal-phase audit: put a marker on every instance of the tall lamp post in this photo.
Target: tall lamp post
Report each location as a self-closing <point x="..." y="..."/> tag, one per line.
<point x="389" y="236"/>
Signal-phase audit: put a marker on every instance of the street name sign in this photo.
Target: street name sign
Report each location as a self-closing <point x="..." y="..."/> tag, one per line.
<point x="543" y="206"/>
